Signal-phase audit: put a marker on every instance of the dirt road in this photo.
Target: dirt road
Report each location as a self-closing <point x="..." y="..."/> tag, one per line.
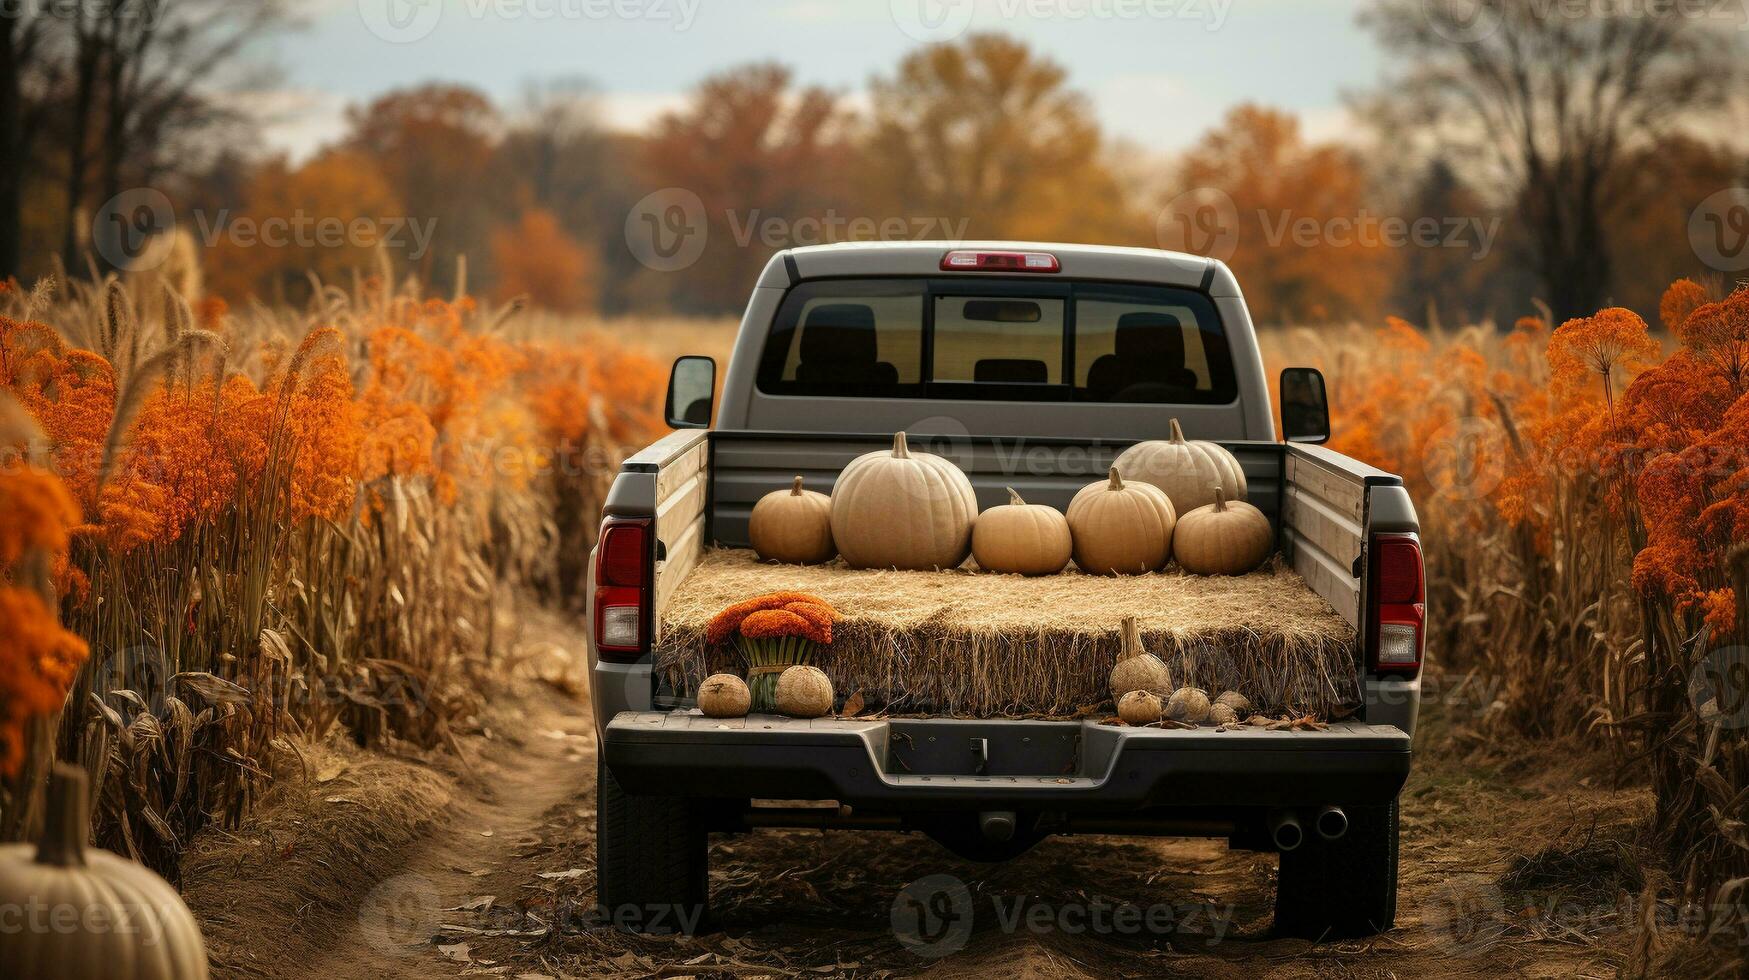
<point x="385" y="867"/>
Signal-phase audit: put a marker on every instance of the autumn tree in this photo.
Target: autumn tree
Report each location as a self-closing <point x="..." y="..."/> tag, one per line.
<point x="1305" y="242"/>
<point x="754" y="147"/>
<point x="987" y="131"/>
<point x="565" y="163"/>
<point x="536" y="259"/>
<point x="1548" y="102"/>
<point x="434" y="146"/>
<point x="335" y="187"/>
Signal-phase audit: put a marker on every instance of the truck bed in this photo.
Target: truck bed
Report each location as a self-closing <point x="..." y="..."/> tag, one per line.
<point x="706" y="482"/>
<point x="964" y="643"/>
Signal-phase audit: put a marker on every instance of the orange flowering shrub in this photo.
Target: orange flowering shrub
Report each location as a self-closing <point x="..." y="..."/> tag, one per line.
<point x="792" y="614"/>
<point x="38" y="658"/>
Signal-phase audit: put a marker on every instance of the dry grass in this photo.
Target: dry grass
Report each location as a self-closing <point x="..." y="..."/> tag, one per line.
<point x="965" y="643"/>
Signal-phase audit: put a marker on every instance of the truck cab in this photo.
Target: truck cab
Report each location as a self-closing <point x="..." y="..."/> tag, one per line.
<point x="1021" y="362"/>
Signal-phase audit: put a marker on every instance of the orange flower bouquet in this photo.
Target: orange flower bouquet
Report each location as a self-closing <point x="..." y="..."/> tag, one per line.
<point x="774" y="632"/>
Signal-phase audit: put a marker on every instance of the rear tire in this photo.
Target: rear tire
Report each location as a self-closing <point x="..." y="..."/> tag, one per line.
<point x="651" y="860"/>
<point x="1345" y="888"/>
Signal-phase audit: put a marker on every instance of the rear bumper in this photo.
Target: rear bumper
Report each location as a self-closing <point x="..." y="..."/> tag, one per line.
<point x="937" y="765"/>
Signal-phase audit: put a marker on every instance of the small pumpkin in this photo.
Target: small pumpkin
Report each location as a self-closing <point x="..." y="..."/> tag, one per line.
<point x="1186" y="469"/>
<point x="1189" y="705"/>
<point x="804" y="692"/>
<point x="1239" y="703"/>
<point x="1121" y="528"/>
<point x="1222" y="714"/>
<point x="724" y="696"/>
<point x="899" y="509"/>
<point x="1137" y="669"/>
<point x="1139" y="708"/>
<point x="1022" y="538"/>
<point x="162" y="941"/>
<point x="793" y="526"/>
<point x="1224" y="538"/>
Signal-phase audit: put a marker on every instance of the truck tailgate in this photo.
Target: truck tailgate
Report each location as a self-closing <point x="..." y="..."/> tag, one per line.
<point x="920" y="764"/>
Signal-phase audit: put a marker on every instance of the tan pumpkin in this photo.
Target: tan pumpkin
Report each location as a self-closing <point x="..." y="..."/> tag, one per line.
<point x="1121" y="528"/>
<point x="1189" y="705"/>
<point x="899" y="509"/>
<point x="1239" y="703"/>
<point x="1022" y="538"/>
<point x="1187" y="469"/>
<point x="1222" y="714"/>
<point x="1139" y="708"/>
<point x="724" y="696"/>
<point x="804" y="692"/>
<point x="130" y="924"/>
<point x="1224" y="538"/>
<point x="793" y="525"/>
<point x="1137" y="669"/>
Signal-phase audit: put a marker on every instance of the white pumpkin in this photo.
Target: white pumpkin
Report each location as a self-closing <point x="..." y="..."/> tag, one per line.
<point x="899" y="509"/>
<point x="793" y="525"/>
<point x="1188" y="470"/>
<point x="104" y="891"/>
<point x="1022" y="538"/>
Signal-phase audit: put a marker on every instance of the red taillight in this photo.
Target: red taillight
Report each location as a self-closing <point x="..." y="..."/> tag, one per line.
<point x="622" y="580"/>
<point x="966" y="260"/>
<point x="1399" y="604"/>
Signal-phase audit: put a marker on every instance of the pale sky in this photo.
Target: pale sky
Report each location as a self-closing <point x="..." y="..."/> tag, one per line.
<point x="1159" y="72"/>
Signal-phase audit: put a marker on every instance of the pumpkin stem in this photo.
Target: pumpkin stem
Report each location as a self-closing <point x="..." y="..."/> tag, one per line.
<point x="1177" y="432"/>
<point x="1116" y="481"/>
<point x="1220" y="497"/>
<point x="795" y="489"/>
<point x="900" y="449"/>
<point x="1014" y="498"/>
<point x="1131" y="640"/>
<point x="62" y="843"/>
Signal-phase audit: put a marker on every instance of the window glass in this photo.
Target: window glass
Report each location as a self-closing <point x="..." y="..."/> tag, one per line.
<point x="847" y="338"/>
<point x="1131" y="346"/>
<point x="998" y="340"/>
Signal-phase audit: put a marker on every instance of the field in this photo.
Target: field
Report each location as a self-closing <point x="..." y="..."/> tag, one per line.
<point x="297" y="588"/>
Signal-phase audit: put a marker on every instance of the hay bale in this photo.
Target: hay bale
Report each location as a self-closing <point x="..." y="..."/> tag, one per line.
<point x="967" y="644"/>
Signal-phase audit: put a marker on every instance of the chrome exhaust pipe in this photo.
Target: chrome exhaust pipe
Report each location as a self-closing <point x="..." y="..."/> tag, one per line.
<point x="997" y="826"/>
<point x="1331" y="823"/>
<point x="1285" y="830"/>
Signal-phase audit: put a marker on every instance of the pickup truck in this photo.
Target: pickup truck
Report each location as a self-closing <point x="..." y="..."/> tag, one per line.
<point x="1043" y="357"/>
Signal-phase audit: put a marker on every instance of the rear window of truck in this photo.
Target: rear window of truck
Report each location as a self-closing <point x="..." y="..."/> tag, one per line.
<point x="1007" y="339"/>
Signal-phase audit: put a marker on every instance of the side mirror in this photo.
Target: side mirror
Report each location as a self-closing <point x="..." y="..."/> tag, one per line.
<point x="692" y="392"/>
<point x="1305" y="409"/>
